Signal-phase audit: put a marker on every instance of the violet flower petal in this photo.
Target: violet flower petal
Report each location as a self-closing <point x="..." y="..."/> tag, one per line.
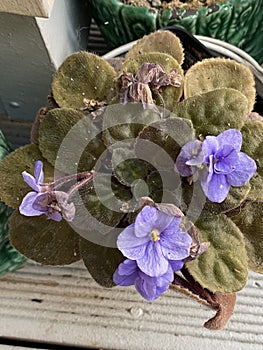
<point x="177" y="246"/>
<point x="149" y="219"/>
<point x="146" y="287"/>
<point x="38" y="172"/>
<point x="244" y="170"/>
<point x="41" y="202"/>
<point x="165" y="280"/>
<point x="190" y="154"/>
<point x="165" y="221"/>
<point x="56" y="216"/>
<point x="153" y="263"/>
<point x="227" y="158"/>
<point x="210" y="146"/>
<point x="127" y="267"/>
<point x="231" y="137"/>
<point x="128" y="273"/>
<point x="176" y="265"/>
<point x="30" y="180"/>
<point x="26" y="207"/>
<point x="145" y="221"/>
<point x="152" y="287"/>
<point x="131" y="246"/>
<point x="122" y="278"/>
<point x="217" y="189"/>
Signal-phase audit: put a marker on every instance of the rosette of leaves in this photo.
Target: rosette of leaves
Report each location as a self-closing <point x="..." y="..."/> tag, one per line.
<point x="10" y="259"/>
<point x="133" y="150"/>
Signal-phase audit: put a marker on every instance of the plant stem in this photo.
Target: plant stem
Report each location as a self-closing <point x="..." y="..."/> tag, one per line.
<point x="64" y="180"/>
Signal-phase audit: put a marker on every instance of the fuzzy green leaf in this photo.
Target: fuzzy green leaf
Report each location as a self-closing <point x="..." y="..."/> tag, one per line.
<point x="169" y="95"/>
<point x="252" y="145"/>
<point x="235" y="197"/>
<point x="214" y="111"/>
<point x="83" y="75"/>
<point x="100" y="261"/>
<point x="124" y="122"/>
<point x="223" y="267"/>
<point x="44" y="241"/>
<point x="12" y="185"/>
<point x="98" y="207"/>
<point x="214" y="73"/>
<point x="69" y="140"/>
<point x="160" y="142"/>
<point x="164" y="186"/>
<point x="250" y="222"/>
<point x="125" y="166"/>
<point x="160" y="41"/>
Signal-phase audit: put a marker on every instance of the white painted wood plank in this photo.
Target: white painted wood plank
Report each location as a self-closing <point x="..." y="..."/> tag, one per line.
<point x="65" y="306"/>
<point x="34" y="8"/>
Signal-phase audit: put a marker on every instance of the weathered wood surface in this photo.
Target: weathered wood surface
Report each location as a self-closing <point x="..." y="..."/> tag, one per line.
<point x="64" y="305"/>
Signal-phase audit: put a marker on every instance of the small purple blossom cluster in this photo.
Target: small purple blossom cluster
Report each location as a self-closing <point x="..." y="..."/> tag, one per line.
<point x="155" y="247"/>
<point x="217" y="162"/>
<point x="42" y="200"/>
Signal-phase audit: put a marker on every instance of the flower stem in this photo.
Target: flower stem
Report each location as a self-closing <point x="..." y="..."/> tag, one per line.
<point x="81" y="183"/>
<point x="64" y="180"/>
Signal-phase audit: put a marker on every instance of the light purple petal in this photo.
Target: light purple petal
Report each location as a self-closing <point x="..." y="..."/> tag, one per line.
<point x="217" y="189"/>
<point x="165" y="280"/>
<point x="209" y="146"/>
<point x="30" y="180"/>
<point x="173" y="226"/>
<point x="153" y="263"/>
<point x="164" y="221"/>
<point x="177" y="246"/>
<point x="176" y="265"/>
<point x="145" y="221"/>
<point x="245" y="169"/>
<point x="197" y="156"/>
<point x="41" y="202"/>
<point x="181" y="167"/>
<point x="146" y="286"/>
<point x="227" y="158"/>
<point x="127" y="267"/>
<point x="207" y="176"/>
<point x="152" y="287"/>
<point x="231" y="137"/>
<point x="122" y="279"/>
<point x="190" y="154"/>
<point x="131" y="246"/>
<point x="38" y="172"/>
<point x="26" y="207"/>
<point x="56" y="216"/>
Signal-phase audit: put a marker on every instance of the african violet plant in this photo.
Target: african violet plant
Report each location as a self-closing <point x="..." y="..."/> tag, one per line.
<point x="149" y="174"/>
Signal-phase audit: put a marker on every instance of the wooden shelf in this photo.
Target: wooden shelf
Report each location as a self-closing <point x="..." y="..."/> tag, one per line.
<point x="64" y="305"/>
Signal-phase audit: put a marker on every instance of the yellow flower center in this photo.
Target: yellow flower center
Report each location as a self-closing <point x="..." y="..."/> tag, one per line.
<point x="155" y="235"/>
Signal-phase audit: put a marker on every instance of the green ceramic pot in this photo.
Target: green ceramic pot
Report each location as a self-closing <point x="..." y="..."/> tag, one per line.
<point x="238" y="22"/>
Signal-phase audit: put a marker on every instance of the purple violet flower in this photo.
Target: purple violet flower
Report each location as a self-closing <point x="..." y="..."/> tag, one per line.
<point x="217" y="162"/>
<point x="128" y="273"/>
<point x="51" y="203"/>
<point x="153" y="240"/>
